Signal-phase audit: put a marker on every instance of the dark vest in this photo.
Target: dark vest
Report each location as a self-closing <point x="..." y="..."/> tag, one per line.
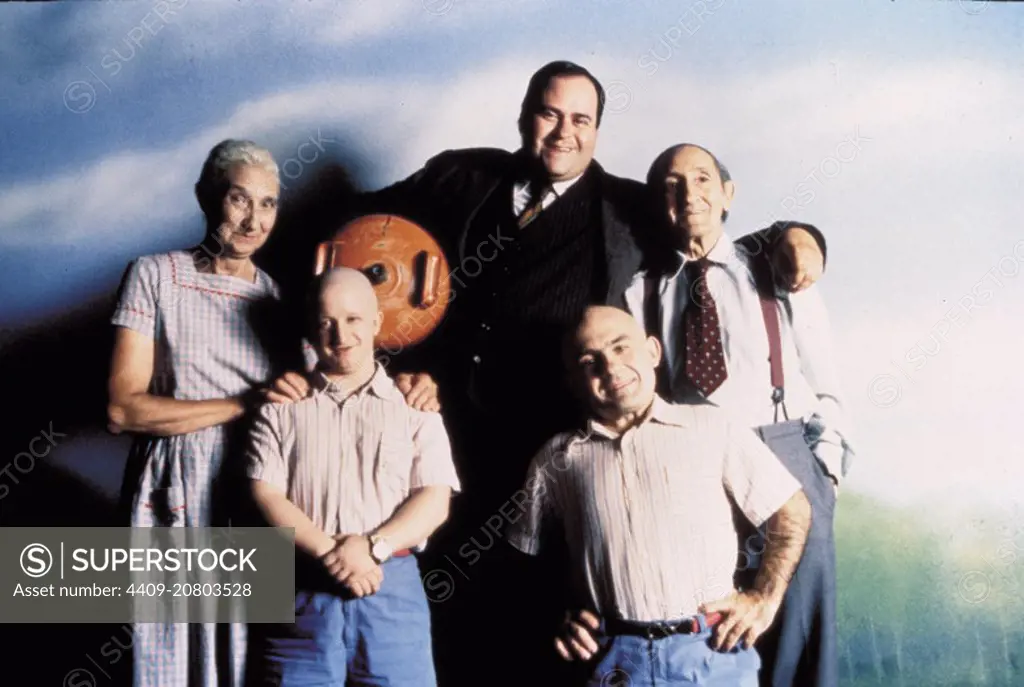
<point x="531" y="284"/>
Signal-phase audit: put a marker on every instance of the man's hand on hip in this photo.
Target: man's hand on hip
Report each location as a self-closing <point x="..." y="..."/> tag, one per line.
<point x="747" y="614"/>
<point x="576" y="641"/>
<point x="745" y="617"/>
<point x="420" y="391"/>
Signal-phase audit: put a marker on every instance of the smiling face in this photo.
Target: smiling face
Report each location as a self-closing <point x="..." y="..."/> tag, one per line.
<point x="248" y="210"/>
<point x="613" y="363"/>
<point x="695" y="195"/>
<point x="347" y="322"/>
<point x="564" y="128"/>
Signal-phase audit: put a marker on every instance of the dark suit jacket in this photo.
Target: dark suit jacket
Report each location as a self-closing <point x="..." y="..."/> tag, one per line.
<point x="446" y="194"/>
<point x="444" y="197"/>
<point x="450" y="189"/>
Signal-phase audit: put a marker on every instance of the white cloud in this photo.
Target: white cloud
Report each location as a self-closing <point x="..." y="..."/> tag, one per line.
<point x="143" y="188"/>
<point x="917" y="112"/>
<point x="920" y="216"/>
<point x="362" y="20"/>
<point x="936" y="399"/>
<point x="115" y="47"/>
<point x="908" y="111"/>
<point x="407" y="121"/>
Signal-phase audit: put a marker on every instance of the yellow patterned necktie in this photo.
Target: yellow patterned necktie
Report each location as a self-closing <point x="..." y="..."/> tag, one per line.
<point x="531" y="211"/>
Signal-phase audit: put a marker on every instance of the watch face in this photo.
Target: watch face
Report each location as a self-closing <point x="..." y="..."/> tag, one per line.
<point x="381" y="550"/>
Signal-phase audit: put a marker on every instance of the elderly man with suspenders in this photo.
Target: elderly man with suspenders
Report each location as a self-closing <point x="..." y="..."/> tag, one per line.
<point x="733" y="339"/>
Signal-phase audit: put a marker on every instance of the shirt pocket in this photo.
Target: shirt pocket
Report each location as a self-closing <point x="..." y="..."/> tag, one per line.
<point x="394" y="464"/>
<point x="689" y="489"/>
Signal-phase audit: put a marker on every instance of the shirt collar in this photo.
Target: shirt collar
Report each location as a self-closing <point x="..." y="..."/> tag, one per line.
<point x="662" y="413"/>
<point x="560" y="187"/>
<point x="524" y="187"/>
<point x="380" y="385"/>
<point x="722" y="253"/>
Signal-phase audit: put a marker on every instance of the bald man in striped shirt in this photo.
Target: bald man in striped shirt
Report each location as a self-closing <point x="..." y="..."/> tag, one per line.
<point x="641" y="501"/>
<point x="363" y="478"/>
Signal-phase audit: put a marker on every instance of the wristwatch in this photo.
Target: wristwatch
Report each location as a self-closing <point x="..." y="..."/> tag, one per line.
<point x="380" y="549"/>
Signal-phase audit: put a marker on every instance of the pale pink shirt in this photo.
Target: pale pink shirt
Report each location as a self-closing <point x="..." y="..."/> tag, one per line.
<point x="646" y="515"/>
<point x="350" y="462"/>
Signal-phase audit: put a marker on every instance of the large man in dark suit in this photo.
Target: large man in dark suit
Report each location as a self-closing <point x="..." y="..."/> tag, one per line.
<point x="496" y="357"/>
<point x="533" y="237"/>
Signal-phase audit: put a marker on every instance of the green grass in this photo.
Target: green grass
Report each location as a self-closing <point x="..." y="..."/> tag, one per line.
<point x="924" y="605"/>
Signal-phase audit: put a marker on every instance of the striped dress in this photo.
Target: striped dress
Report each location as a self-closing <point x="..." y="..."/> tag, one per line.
<point x="213" y="339"/>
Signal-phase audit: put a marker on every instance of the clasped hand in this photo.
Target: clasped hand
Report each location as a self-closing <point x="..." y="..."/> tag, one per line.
<point x="350" y="563"/>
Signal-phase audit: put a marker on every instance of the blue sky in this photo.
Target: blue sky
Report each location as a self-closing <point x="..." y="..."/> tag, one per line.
<point x="109" y="108"/>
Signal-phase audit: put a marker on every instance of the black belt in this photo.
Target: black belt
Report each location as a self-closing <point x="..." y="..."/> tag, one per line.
<point x="650" y="630"/>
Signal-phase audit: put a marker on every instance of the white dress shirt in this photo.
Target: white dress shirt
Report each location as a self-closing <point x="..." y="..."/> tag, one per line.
<point x="811" y="379"/>
<point x="522" y="194"/>
<point x="646" y="514"/>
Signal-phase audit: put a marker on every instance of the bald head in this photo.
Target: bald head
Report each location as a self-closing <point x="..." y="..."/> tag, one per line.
<point x="347" y="320"/>
<point x="604" y="318"/>
<point x="612" y="362"/>
<point x="349" y="282"/>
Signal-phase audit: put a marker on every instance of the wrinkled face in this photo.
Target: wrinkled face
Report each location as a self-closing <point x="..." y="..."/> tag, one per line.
<point x="565" y="127"/>
<point x="248" y="210"/>
<point x="347" y="324"/>
<point x="695" y="195"/>
<point x="615" y="363"/>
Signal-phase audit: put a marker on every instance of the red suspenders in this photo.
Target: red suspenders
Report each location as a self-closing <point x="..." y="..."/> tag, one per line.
<point x="764" y="280"/>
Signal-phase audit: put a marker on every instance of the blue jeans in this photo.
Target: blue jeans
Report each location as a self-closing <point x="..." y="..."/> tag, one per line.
<point x="628" y="661"/>
<point x="338" y="641"/>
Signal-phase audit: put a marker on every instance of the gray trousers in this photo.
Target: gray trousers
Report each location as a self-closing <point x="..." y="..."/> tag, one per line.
<point x="801" y="648"/>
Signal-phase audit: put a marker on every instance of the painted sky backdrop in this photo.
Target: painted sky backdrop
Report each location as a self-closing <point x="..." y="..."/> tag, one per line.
<point x="896" y="127"/>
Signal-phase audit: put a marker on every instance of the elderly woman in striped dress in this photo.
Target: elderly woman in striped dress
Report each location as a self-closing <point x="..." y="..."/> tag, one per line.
<point x="193" y="346"/>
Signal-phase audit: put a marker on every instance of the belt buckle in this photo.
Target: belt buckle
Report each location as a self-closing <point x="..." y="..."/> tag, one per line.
<point x="687" y="626"/>
<point x="658" y="630"/>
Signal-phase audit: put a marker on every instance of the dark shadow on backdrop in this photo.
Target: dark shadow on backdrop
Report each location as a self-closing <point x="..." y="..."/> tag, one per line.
<point x="306" y="218"/>
<point x="55" y="373"/>
<point x="54" y="376"/>
<point x="46" y="654"/>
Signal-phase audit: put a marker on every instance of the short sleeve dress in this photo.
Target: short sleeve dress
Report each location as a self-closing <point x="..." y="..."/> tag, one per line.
<point x="215" y="337"/>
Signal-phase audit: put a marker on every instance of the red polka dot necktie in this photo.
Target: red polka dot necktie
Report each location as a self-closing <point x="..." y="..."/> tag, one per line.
<point x="705" y="357"/>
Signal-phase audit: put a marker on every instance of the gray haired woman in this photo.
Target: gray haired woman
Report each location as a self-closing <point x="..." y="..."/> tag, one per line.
<point x="191" y="350"/>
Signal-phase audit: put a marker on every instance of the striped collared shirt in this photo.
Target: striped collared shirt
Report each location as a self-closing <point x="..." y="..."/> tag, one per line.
<point x="349" y="461"/>
<point x="645" y="515"/>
